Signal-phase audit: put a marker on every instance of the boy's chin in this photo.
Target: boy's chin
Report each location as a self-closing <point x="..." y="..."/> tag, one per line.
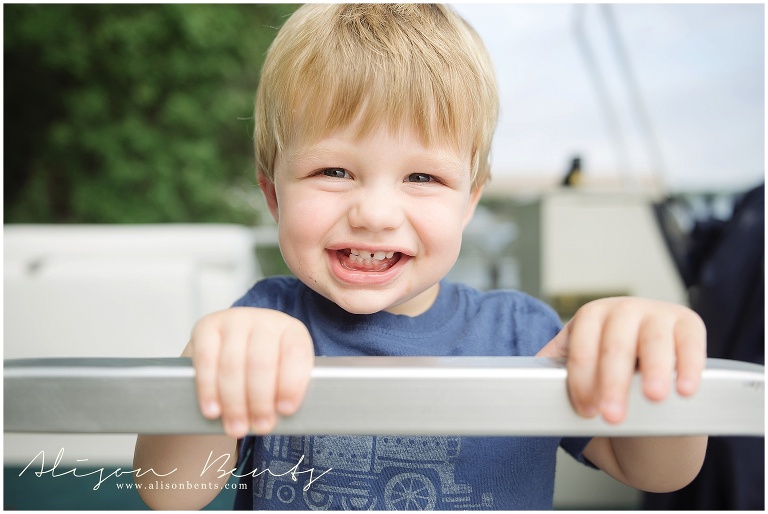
<point x="361" y="306"/>
<point x="370" y="302"/>
<point x="364" y="302"/>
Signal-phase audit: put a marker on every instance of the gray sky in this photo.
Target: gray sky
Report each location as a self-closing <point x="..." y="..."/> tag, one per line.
<point x="700" y="72"/>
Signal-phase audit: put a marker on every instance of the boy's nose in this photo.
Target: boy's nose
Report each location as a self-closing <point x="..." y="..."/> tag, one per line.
<point x="376" y="210"/>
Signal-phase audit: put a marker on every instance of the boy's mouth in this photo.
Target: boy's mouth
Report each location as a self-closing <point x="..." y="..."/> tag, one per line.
<point x="365" y="260"/>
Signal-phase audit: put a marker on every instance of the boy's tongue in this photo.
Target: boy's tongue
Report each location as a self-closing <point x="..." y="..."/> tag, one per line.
<point x="357" y="260"/>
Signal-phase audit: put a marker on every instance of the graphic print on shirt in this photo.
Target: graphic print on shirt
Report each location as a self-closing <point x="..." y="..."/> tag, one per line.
<point x="382" y="472"/>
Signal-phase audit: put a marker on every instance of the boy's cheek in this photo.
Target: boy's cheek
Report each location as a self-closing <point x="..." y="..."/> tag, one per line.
<point x="302" y="230"/>
<point x="293" y="206"/>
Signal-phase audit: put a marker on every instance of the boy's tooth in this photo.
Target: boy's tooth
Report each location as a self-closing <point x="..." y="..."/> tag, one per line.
<point x="359" y="256"/>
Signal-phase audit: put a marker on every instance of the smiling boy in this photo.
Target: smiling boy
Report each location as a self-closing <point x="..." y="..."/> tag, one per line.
<point x="386" y="216"/>
<point x="373" y="131"/>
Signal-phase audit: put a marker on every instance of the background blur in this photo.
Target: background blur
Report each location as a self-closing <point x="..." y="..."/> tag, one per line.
<point x="142" y="114"/>
<point x="132" y="113"/>
<point x="629" y="136"/>
<point x="670" y="91"/>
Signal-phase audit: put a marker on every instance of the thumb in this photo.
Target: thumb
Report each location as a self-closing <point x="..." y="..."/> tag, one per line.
<point x="558" y="346"/>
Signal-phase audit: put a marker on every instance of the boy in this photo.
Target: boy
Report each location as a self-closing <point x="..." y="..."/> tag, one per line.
<point x="373" y="129"/>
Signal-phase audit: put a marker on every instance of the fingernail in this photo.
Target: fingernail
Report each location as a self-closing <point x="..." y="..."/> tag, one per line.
<point x="211" y="410"/>
<point x="261" y="425"/>
<point x="686" y="386"/>
<point x="237" y="428"/>
<point x="612" y="410"/>
<point x="285" y="407"/>
<point x="655" y="385"/>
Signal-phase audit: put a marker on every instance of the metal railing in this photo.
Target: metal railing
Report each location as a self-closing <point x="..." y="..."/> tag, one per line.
<point x="374" y="395"/>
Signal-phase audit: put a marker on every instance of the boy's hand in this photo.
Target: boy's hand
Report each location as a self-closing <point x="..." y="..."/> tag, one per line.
<point x="251" y="365"/>
<point x="608" y="339"/>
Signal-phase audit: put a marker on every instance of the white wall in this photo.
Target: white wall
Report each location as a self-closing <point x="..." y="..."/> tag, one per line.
<point x="114" y="291"/>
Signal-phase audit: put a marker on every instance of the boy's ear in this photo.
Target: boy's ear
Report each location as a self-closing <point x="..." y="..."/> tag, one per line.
<point x="474" y="199"/>
<point x="268" y="188"/>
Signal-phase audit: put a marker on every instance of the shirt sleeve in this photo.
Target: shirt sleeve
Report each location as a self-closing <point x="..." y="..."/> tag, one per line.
<point x="574" y="446"/>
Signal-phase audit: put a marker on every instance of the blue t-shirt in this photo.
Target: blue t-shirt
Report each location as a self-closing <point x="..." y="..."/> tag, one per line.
<point x="406" y="472"/>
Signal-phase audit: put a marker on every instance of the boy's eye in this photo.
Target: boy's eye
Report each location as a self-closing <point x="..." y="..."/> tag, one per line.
<point x="420" y="177"/>
<point x="335" y="172"/>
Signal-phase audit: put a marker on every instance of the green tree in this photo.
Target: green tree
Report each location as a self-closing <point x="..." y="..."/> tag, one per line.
<point x="132" y="113"/>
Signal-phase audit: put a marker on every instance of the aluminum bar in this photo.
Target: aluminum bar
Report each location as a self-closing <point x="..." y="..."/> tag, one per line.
<point x="374" y="395"/>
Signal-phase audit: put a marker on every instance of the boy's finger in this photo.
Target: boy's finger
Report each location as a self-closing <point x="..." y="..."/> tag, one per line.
<point x="617" y="362"/>
<point x="656" y="357"/>
<point x="231" y="383"/>
<point x="261" y="367"/>
<point x="691" y="344"/>
<point x="557" y="347"/>
<point x="204" y="350"/>
<point x="297" y="357"/>
<point x="583" y="338"/>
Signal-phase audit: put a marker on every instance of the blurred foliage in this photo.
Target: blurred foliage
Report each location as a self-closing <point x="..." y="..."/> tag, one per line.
<point x="132" y="113"/>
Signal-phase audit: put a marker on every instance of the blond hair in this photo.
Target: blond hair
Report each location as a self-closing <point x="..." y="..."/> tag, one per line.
<point x="332" y="65"/>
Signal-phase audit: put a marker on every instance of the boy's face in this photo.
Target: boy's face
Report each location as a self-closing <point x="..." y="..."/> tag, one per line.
<point x="371" y="223"/>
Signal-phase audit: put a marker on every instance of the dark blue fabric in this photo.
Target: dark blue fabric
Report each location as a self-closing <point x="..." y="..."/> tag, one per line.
<point x="390" y="472"/>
